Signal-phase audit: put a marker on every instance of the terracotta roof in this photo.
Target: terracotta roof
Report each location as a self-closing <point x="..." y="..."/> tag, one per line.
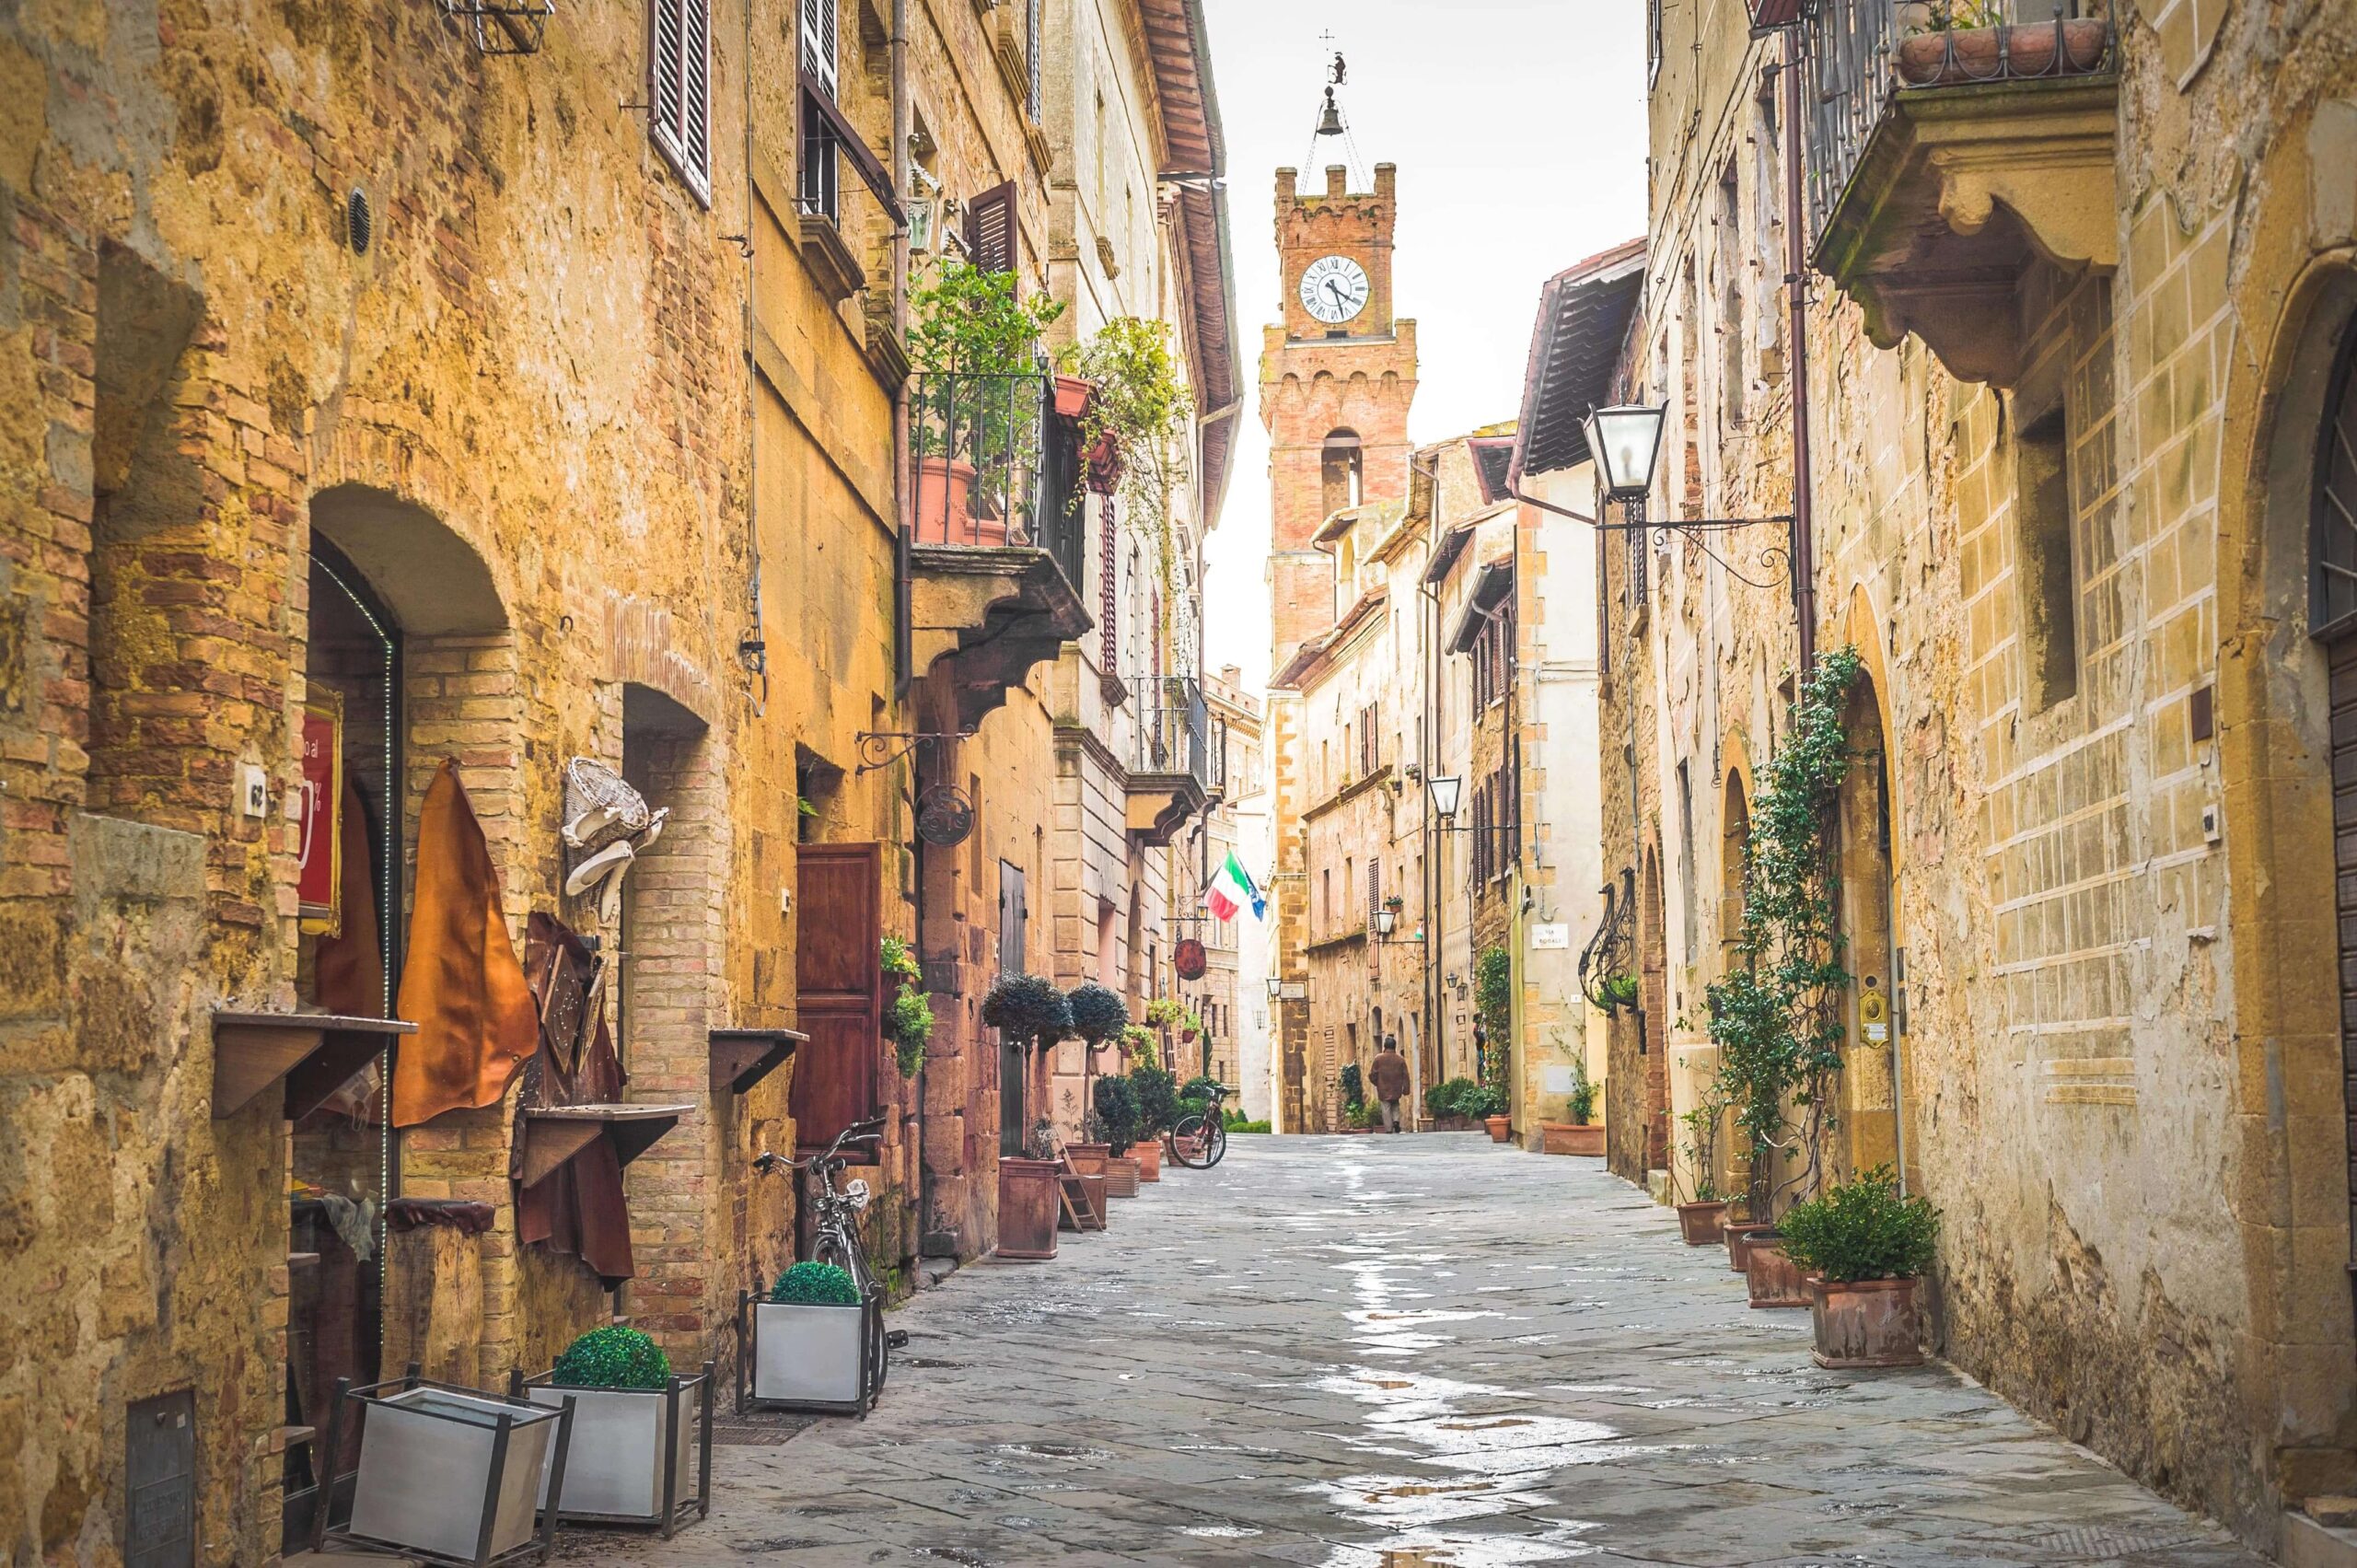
<point x="1452" y="545"/>
<point x="1583" y="315"/>
<point x="1488" y="590"/>
<point x="1308" y="661"/>
<point x="1492" y="464"/>
<point x="1193" y="144"/>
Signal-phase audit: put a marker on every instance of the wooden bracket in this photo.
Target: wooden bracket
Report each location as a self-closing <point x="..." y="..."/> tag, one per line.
<point x="742" y="1058"/>
<point x="314" y="1054"/>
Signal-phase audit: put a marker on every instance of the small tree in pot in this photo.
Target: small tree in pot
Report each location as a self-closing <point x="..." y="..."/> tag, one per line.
<point x="1099" y="1015"/>
<point x="1029" y="1008"/>
<point x="1864" y="1246"/>
<point x="636" y="1431"/>
<point x="1158" y="1112"/>
<point x="1116" y="1103"/>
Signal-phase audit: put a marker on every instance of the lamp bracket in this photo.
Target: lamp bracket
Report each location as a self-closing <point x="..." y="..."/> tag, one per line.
<point x="881" y="748"/>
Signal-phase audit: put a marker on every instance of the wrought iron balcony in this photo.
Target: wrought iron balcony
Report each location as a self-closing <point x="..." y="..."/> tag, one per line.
<point x="1173" y="765"/>
<point x="997" y="530"/>
<point x="1944" y="162"/>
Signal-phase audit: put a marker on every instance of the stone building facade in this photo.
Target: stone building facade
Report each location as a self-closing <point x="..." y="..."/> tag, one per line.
<point x="404" y="406"/>
<point x="2077" y="387"/>
<point x="1233" y="986"/>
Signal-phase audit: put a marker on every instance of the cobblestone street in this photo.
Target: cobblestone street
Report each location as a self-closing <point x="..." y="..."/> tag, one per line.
<point x="1377" y="1351"/>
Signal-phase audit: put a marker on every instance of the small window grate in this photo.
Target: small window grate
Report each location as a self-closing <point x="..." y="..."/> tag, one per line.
<point x="359" y="222"/>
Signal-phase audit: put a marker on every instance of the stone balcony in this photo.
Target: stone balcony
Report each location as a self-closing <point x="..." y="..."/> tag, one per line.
<point x="1944" y="166"/>
<point x="1173" y="768"/>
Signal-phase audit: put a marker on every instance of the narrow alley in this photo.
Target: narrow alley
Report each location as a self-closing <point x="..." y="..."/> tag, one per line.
<point x="1422" y="1350"/>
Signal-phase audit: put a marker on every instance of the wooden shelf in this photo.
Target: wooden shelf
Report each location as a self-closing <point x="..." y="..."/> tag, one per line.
<point x="741" y="1058"/>
<point x="313" y="1053"/>
<point x="557" y="1133"/>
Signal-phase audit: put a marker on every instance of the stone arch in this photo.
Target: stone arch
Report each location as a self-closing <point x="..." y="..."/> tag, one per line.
<point x="435" y="581"/>
<point x="2273" y="723"/>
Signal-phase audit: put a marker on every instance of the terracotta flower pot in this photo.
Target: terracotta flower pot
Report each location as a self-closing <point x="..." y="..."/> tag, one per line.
<point x="1775" y="1280"/>
<point x="1864" y="1322"/>
<point x="1501" y="1129"/>
<point x="1702" y="1224"/>
<point x="1087" y="1159"/>
<point x="1739" y="1239"/>
<point x="1120" y="1176"/>
<point x="1028" y="1206"/>
<point x="1071" y="396"/>
<point x="1988" y="54"/>
<point x="945" y="505"/>
<point x="1570" y="1137"/>
<point x="1148" y="1153"/>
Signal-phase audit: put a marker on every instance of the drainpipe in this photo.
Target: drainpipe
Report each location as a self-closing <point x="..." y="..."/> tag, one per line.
<point x="1796" y="286"/>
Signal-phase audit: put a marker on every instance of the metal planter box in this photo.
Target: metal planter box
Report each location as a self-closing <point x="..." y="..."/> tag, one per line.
<point x="636" y="1452"/>
<point x="449" y="1474"/>
<point x="805" y="1358"/>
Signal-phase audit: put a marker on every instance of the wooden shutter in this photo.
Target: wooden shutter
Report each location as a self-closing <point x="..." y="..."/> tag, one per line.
<point x="990" y="229"/>
<point x="838" y="892"/>
<point x="679" y="88"/>
<point x="819" y="36"/>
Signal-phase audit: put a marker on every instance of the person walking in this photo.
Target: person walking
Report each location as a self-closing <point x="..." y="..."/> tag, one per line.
<point x="1391" y="1075"/>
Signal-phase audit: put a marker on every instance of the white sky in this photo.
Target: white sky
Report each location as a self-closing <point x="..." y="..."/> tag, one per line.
<point x="1519" y="130"/>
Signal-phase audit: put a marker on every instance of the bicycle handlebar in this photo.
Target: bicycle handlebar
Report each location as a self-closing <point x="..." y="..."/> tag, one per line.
<point x="870" y="1130"/>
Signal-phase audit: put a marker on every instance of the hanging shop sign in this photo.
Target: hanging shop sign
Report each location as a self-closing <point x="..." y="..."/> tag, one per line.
<point x="945" y="817"/>
<point x="318" y="800"/>
<point x="1189" y="959"/>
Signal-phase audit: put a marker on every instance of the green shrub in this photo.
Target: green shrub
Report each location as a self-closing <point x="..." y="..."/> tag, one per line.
<point x="909" y="1021"/>
<point x="1582" y="1102"/>
<point x="1165" y="1012"/>
<point x="1027" y="1007"/>
<point x="1196" y="1092"/>
<point x="1493" y="998"/>
<point x="613" y="1357"/>
<point x="1097" y="1014"/>
<point x="816" y="1284"/>
<point x="1239" y="1123"/>
<point x="1359" y="1114"/>
<point x="1139" y="1044"/>
<point x="1448" y="1099"/>
<point x="1158" y="1097"/>
<point x="1862" y="1230"/>
<point x="1353" y="1086"/>
<point x="1116" y="1113"/>
<point x="1618" y="991"/>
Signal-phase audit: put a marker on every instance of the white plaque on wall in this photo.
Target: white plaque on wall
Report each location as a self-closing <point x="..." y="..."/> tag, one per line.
<point x="1543" y="937"/>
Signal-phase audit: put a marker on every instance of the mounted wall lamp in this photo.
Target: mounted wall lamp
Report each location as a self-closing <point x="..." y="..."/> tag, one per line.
<point x="1444" y="791"/>
<point x="1626" y="439"/>
<point x="1384" y="921"/>
<point x="1276" y="987"/>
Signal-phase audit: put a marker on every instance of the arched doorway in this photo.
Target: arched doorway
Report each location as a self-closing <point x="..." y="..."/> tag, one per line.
<point x="1870" y="1134"/>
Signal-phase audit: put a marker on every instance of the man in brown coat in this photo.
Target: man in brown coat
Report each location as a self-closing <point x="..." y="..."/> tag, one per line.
<point x="1391" y="1077"/>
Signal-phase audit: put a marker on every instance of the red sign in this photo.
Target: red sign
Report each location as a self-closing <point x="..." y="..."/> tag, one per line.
<point x="1187" y="959"/>
<point x="319" y="806"/>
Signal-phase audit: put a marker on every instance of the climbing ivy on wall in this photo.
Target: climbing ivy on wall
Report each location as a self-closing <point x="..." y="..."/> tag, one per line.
<point x="1493" y="1000"/>
<point x="1776" y="1014"/>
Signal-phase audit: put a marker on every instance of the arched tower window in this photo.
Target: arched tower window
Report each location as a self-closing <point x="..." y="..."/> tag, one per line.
<point x="1342" y="468"/>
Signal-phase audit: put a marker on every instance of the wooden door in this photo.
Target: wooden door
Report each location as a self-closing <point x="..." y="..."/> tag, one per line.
<point x="837" y="891"/>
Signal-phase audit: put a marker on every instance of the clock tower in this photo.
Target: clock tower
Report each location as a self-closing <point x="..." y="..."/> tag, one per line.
<point x="1336" y="378"/>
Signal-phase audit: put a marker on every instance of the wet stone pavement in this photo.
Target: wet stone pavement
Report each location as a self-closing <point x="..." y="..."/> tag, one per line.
<point x="1401" y="1350"/>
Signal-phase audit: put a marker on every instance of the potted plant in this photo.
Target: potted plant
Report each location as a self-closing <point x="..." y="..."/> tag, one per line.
<point x="1166" y="1012"/>
<point x="642" y="1435"/>
<point x="1489" y="1102"/>
<point x="1137" y="426"/>
<point x="450" y="1471"/>
<point x="1190" y="1026"/>
<point x="1116" y="1103"/>
<point x="973" y="340"/>
<point x="1575" y="1135"/>
<point x="1702" y="1219"/>
<point x="1394" y="903"/>
<point x="807" y="1342"/>
<point x="1618" y="991"/>
<point x="1956" y="42"/>
<point x="1029" y="1009"/>
<point x="908" y="1017"/>
<point x="1863" y="1247"/>
<point x="1446" y="1103"/>
<point x="1099" y="1015"/>
<point x="1159" y="1113"/>
<point x="1138" y="1043"/>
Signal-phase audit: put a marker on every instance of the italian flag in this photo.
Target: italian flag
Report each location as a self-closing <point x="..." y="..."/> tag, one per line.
<point x="1231" y="889"/>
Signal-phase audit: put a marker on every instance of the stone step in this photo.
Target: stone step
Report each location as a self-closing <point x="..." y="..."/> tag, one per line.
<point x="2308" y="1544"/>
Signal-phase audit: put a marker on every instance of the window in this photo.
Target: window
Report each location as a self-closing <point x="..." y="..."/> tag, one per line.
<point x="1653" y="40"/>
<point x="1727" y="257"/>
<point x="1370" y="744"/>
<point x="1373" y="888"/>
<point x="990" y="229"/>
<point x="680" y="86"/>
<point x="2048" y="594"/>
<point x="1341" y="471"/>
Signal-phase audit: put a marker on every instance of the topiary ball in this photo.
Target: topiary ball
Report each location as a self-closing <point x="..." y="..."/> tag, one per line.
<point x="613" y="1357"/>
<point x="816" y="1284"/>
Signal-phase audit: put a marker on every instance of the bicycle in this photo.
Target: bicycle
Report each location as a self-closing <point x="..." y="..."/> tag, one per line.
<point x="835" y="1239"/>
<point x="1200" y="1138"/>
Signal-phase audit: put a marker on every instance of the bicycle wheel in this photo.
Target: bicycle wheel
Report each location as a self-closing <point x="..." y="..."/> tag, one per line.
<point x="1186" y="1142"/>
<point x="1215" y="1145"/>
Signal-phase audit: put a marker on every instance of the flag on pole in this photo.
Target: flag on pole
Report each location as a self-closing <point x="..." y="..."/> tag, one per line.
<point x="1231" y="889"/>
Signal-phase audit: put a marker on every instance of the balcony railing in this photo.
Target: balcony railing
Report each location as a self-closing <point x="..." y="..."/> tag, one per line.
<point x="996" y="467"/>
<point x="1174" y="736"/>
<point x="1861" y="52"/>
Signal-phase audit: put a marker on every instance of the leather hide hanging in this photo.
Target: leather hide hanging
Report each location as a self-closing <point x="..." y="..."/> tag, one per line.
<point x="580" y="1209"/>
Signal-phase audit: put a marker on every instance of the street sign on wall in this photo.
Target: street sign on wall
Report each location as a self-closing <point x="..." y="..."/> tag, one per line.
<point x="1545" y="938"/>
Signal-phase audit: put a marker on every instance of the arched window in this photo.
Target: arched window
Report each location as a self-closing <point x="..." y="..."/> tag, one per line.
<point x="2332" y="548"/>
<point x="1343" y="471"/>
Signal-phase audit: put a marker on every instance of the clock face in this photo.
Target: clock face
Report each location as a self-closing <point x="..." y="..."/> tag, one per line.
<point x="1333" y="289"/>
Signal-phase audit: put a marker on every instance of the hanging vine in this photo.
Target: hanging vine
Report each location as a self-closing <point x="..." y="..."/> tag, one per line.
<point x="1777" y="1015"/>
<point x="1137" y="416"/>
